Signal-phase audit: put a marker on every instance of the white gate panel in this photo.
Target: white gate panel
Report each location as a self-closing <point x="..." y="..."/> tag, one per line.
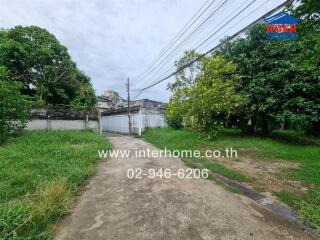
<point x="139" y="122"/>
<point x="136" y="123"/>
<point x="115" y="123"/>
<point x="155" y="121"/>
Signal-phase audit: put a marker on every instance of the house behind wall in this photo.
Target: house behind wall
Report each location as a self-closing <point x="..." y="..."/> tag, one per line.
<point x="111" y="115"/>
<point x="111" y="100"/>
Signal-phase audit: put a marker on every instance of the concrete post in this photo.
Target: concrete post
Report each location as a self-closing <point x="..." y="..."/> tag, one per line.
<point x="49" y="123"/>
<point x="100" y="123"/>
<point x="86" y="122"/>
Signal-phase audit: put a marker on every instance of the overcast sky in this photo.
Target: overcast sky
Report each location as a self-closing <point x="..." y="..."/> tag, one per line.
<point x="111" y="40"/>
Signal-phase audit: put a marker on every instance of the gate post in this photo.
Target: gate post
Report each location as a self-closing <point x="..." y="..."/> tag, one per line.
<point x="141" y="121"/>
<point x="100" y="123"/>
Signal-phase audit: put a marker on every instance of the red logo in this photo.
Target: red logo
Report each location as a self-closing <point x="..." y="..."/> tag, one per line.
<point x="281" y="28"/>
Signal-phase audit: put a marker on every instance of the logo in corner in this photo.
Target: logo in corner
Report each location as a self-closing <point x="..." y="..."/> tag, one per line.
<point x="281" y="26"/>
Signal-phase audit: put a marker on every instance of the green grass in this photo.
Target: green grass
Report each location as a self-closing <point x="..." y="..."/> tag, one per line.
<point x="295" y="137"/>
<point x="40" y="173"/>
<point x="216" y="167"/>
<point x="284" y="145"/>
<point x="185" y="140"/>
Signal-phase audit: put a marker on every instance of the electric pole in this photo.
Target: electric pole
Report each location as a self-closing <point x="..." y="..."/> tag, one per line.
<point x="129" y="118"/>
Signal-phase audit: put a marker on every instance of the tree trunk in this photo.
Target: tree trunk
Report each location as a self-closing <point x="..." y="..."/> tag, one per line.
<point x="265" y="126"/>
<point x="314" y="129"/>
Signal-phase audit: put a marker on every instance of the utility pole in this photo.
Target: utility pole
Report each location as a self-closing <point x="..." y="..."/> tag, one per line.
<point x="129" y="117"/>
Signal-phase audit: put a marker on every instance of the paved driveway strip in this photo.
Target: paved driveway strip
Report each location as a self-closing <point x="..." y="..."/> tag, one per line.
<point x="116" y="207"/>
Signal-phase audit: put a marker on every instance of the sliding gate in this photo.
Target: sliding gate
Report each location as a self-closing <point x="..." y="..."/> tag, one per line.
<point x="139" y="122"/>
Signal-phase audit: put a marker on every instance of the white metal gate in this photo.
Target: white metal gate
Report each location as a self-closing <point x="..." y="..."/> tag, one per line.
<point x="139" y="122"/>
<point x="115" y="123"/>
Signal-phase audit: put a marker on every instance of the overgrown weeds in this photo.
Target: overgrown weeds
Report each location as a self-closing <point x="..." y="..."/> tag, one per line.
<point x="40" y="173"/>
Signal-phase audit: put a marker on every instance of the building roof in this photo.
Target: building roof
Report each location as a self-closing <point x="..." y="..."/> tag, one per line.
<point x="133" y="109"/>
<point x="103" y="99"/>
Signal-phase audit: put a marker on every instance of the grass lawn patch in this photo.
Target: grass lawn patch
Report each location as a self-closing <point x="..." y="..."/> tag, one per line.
<point x="40" y="173"/>
<point x="216" y="167"/>
<point x="284" y="146"/>
<point x="188" y="140"/>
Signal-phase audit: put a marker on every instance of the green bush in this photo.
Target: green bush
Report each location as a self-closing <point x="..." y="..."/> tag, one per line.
<point x="14" y="107"/>
<point x="173" y="115"/>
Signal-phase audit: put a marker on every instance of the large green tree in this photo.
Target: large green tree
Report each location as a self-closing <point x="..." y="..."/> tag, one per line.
<point x="205" y="103"/>
<point x="42" y="64"/>
<point x="308" y="13"/>
<point x="214" y="95"/>
<point x="182" y="90"/>
<point x="278" y="89"/>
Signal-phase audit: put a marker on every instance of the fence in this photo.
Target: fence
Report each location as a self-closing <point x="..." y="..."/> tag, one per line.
<point x="115" y="122"/>
<point x="55" y="124"/>
<point x="62" y="118"/>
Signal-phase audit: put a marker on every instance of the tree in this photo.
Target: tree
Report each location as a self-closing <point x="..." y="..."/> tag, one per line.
<point x="14" y="106"/>
<point x="279" y="81"/>
<point x="208" y="101"/>
<point x="174" y="113"/>
<point x="37" y="59"/>
<point x="180" y="103"/>
<point x="214" y="95"/>
<point x="277" y="89"/>
<point x="186" y="78"/>
<point x="85" y="99"/>
<point x="308" y="12"/>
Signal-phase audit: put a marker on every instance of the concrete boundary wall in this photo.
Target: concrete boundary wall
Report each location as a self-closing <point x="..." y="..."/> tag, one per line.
<point x="116" y="122"/>
<point x="60" y="118"/>
<point x="53" y="124"/>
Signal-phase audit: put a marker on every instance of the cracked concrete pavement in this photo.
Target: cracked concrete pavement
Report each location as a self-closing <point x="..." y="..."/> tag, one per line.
<point x="115" y="207"/>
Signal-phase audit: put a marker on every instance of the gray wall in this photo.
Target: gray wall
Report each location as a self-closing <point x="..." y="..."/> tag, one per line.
<point x="60" y="117"/>
<point x="44" y="124"/>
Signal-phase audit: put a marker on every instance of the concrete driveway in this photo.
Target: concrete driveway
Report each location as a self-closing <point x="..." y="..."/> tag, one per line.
<point x="116" y="207"/>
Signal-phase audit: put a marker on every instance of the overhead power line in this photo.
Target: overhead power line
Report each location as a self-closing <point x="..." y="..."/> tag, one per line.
<point x="200" y="30"/>
<point x="153" y="79"/>
<point x="216" y="47"/>
<point x="223" y="34"/>
<point x="243" y="9"/>
<point x="226" y="23"/>
<point x="158" y="69"/>
<point x="185" y="28"/>
<point x="188" y="37"/>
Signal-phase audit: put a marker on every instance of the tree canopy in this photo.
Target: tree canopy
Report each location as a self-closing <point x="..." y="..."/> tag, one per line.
<point x="35" y="57"/>
<point x="209" y="100"/>
<point x="35" y="71"/>
<point x="279" y="88"/>
<point x="273" y="82"/>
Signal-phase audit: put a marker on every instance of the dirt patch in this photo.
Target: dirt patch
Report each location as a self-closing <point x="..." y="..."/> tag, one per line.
<point x="269" y="175"/>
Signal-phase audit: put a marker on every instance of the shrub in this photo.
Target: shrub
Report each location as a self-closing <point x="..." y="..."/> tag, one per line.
<point x="173" y="115"/>
<point x="14" y="107"/>
<point x="19" y="219"/>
